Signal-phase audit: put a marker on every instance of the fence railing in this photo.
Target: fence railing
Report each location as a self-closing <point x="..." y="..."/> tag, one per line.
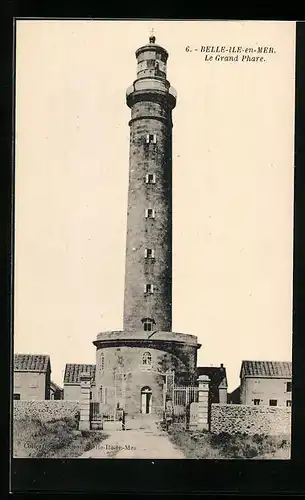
<point x="184" y="396"/>
<point x="101" y="411"/>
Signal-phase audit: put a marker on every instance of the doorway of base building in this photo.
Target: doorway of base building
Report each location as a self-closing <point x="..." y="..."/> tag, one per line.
<point x="146" y="396"/>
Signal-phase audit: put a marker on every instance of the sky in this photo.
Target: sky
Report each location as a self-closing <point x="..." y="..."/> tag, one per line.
<point x="233" y="142"/>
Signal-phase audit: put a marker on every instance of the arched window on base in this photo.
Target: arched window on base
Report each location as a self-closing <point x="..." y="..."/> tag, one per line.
<point x="146" y="359"/>
<point x="148" y="324"/>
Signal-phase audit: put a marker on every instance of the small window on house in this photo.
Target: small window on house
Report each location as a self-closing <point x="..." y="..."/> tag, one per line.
<point x="150" y="213"/>
<point x="288" y="402"/>
<point x="16" y="396"/>
<point x="150" y="179"/>
<point x="272" y="402"/>
<point x="148" y="324"/>
<point x="288" y="386"/>
<point x="256" y="402"/>
<point x="149" y="288"/>
<point x="146" y="359"/>
<point x="149" y="253"/>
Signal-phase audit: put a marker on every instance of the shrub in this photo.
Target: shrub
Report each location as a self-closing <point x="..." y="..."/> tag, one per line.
<point x="203" y="444"/>
<point x="56" y="438"/>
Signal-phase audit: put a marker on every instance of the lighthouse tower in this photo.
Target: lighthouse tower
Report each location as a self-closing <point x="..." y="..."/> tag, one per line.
<point x="148" y="273"/>
<point x="135" y="367"/>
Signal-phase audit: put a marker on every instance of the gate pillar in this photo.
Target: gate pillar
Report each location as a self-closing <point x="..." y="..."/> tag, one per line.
<point x="203" y="402"/>
<point x="85" y="386"/>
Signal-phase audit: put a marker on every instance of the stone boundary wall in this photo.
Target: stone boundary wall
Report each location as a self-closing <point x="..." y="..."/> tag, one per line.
<point x="45" y="410"/>
<point x="233" y="418"/>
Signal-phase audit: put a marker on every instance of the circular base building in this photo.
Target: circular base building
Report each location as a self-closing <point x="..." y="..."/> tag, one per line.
<point x="134" y="369"/>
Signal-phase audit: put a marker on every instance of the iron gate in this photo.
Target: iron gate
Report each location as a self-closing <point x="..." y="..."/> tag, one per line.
<point x="182" y="399"/>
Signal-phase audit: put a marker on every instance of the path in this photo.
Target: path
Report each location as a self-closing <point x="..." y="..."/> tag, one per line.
<point x="148" y="441"/>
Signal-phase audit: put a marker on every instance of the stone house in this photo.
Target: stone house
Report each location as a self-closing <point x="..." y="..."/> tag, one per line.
<point x="56" y="392"/>
<point x="71" y="391"/>
<point x="234" y="396"/>
<point x="32" y="376"/>
<point x="266" y="383"/>
<point x="218" y="382"/>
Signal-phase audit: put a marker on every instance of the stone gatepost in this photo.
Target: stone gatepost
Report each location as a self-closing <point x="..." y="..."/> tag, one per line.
<point x="85" y="386"/>
<point x="203" y="402"/>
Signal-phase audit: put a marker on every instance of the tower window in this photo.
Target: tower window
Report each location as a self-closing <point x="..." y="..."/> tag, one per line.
<point x="256" y="402"/>
<point x="151" y="138"/>
<point x="148" y="324"/>
<point x="149" y="253"/>
<point x="149" y="288"/>
<point x="288" y="386"/>
<point x="146" y="359"/>
<point x="150" y="178"/>
<point x="150" y="213"/>
<point x="150" y="63"/>
<point x="288" y="402"/>
<point x="273" y="402"/>
<point x="102" y="361"/>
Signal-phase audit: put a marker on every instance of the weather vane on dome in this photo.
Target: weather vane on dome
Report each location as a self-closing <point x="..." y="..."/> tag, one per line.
<point x="152" y="37"/>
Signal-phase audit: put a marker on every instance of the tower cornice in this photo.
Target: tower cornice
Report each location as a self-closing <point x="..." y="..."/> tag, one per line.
<point x="152" y="95"/>
<point x="166" y="121"/>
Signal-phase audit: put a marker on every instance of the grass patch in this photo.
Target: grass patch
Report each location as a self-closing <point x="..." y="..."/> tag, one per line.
<point x="198" y="445"/>
<point x="54" y="439"/>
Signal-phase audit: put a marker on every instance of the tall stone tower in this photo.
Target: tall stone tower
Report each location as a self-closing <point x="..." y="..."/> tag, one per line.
<point x="136" y="367"/>
<point x="148" y="272"/>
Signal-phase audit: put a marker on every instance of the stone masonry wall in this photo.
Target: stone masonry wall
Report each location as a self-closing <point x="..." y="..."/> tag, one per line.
<point x="45" y="410"/>
<point x="248" y="419"/>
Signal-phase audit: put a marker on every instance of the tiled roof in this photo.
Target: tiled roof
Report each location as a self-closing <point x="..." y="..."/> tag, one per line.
<point x="31" y="362"/>
<point x="73" y="372"/>
<point x="217" y="374"/>
<point x="273" y="369"/>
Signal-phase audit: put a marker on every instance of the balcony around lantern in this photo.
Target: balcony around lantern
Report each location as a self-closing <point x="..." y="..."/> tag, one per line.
<point x="150" y="85"/>
<point x="172" y="92"/>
